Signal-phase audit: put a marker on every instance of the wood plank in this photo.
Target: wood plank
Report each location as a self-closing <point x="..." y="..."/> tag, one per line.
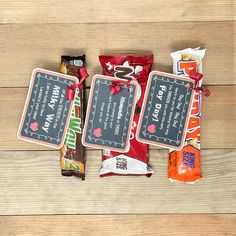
<point x="26" y="46"/>
<point x="132" y="225"/>
<point x="100" y="11"/>
<point x="218" y="123"/>
<point x="31" y="184"/>
<point x="219" y="118"/>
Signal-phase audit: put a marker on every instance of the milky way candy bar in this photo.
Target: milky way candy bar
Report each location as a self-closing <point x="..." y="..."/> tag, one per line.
<point x="73" y="152"/>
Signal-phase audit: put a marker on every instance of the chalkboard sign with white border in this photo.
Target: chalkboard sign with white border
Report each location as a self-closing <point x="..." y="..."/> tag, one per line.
<point x="47" y="111"/>
<point x="166" y="110"/>
<point x="109" y="116"/>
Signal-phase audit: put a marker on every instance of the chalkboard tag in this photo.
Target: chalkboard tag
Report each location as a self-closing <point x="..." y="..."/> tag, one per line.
<point x="166" y="110"/>
<point x="47" y="111"/>
<point x="109" y="114"/>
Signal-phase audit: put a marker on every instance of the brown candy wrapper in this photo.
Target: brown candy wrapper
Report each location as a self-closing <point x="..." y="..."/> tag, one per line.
<point x="73" y="152"/>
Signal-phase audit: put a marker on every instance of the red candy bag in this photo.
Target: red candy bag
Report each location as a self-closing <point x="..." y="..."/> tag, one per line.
<point x="135" y="161"/>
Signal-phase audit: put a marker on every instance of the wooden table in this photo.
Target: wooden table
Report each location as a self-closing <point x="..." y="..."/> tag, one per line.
<point x="36" y="200"/>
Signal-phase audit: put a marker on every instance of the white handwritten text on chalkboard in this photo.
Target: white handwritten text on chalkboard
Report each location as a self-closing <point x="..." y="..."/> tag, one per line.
<point x="165" y="111"/>
<point x="47" y="110"/>
<point x="109" y="116"/>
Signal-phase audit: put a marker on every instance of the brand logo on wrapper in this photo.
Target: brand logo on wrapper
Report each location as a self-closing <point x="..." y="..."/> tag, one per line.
<point x="74" y="125"/>
<point x="184" y="67"/>
<point x="124" y="71"/>
<point x="193" y="131"/>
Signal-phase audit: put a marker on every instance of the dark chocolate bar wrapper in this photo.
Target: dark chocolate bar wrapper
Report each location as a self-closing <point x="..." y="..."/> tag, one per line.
<point x="73" y="152"/>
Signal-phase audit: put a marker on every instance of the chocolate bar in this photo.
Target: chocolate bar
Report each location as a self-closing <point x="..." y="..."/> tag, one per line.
<point x="184" y="164"/>
<point x="73" y="152"/>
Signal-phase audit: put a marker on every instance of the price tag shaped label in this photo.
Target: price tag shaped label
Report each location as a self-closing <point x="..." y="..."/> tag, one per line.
<point x="47" y="111"/>
<point x="165" y="111"/>
<point x="109" y="115"/>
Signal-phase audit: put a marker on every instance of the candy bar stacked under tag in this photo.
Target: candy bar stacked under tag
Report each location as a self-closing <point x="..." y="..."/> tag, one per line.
<point x="184" y="165"/>
<point x="135" y="161"/>
<point x="73" y="152"/>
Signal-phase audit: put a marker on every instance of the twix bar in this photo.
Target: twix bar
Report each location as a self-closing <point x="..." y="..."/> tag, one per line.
<point x="184" y="164"/>
<point x="73" y="152"/>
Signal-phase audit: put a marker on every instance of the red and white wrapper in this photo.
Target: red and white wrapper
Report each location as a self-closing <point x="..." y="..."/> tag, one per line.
<point x="135" y="161"/>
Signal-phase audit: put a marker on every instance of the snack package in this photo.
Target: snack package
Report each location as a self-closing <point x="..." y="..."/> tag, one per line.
<point x="73" y="152"/>
<point x="184" y="165"/>
<point x="135" y="161"/>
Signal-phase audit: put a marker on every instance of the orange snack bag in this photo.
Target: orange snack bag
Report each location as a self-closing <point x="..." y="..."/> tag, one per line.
<point x="184" y="164"/>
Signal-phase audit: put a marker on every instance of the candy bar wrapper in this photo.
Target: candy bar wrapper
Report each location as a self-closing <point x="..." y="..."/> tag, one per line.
<point x="184" y="164"/>
<point x="135" y="161"/>
<point x="73" y="152"/>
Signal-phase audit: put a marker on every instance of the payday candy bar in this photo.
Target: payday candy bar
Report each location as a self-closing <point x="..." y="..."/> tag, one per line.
<point x="135" y="161"/>
<point x="184" y="164"/>
<point x="73" y="152"/>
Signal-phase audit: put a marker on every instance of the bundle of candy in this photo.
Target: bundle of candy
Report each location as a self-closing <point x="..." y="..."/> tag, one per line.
<point x="135" y="161"/>
<point x="73" y="152"/>
<point x="184" y="164"/>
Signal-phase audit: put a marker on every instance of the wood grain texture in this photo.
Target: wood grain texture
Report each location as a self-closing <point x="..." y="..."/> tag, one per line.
<point x="27" y="46"/>
<point x="35" y="33"/>
<point x="116" y="225"/>
<point x="100" y="11"/>
<point x="31" y="184"/>
<point x="218" y="122"/>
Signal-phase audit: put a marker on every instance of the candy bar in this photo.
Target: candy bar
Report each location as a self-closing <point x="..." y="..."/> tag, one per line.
<point x="73" y="152"/>
<point x="184" y="165"/>
<point x="135" y="161"/>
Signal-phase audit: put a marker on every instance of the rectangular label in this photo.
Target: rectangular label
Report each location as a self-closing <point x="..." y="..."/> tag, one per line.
<point x="166" y="109"/>
<point x="47" y="111"/>
<point x="109" y="116"/>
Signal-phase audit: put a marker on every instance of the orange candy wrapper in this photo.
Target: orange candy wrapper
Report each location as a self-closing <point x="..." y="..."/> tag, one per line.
<point x="184" y="164"/>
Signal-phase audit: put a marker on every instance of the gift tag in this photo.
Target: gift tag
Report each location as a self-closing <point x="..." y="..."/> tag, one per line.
<point x="110" y="113"/>
<point x="166" y="110"/>
<point x="47" y="111"/>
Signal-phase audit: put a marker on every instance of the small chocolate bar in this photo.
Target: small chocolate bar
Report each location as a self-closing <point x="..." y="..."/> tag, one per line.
<point x="73" y="152"/>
